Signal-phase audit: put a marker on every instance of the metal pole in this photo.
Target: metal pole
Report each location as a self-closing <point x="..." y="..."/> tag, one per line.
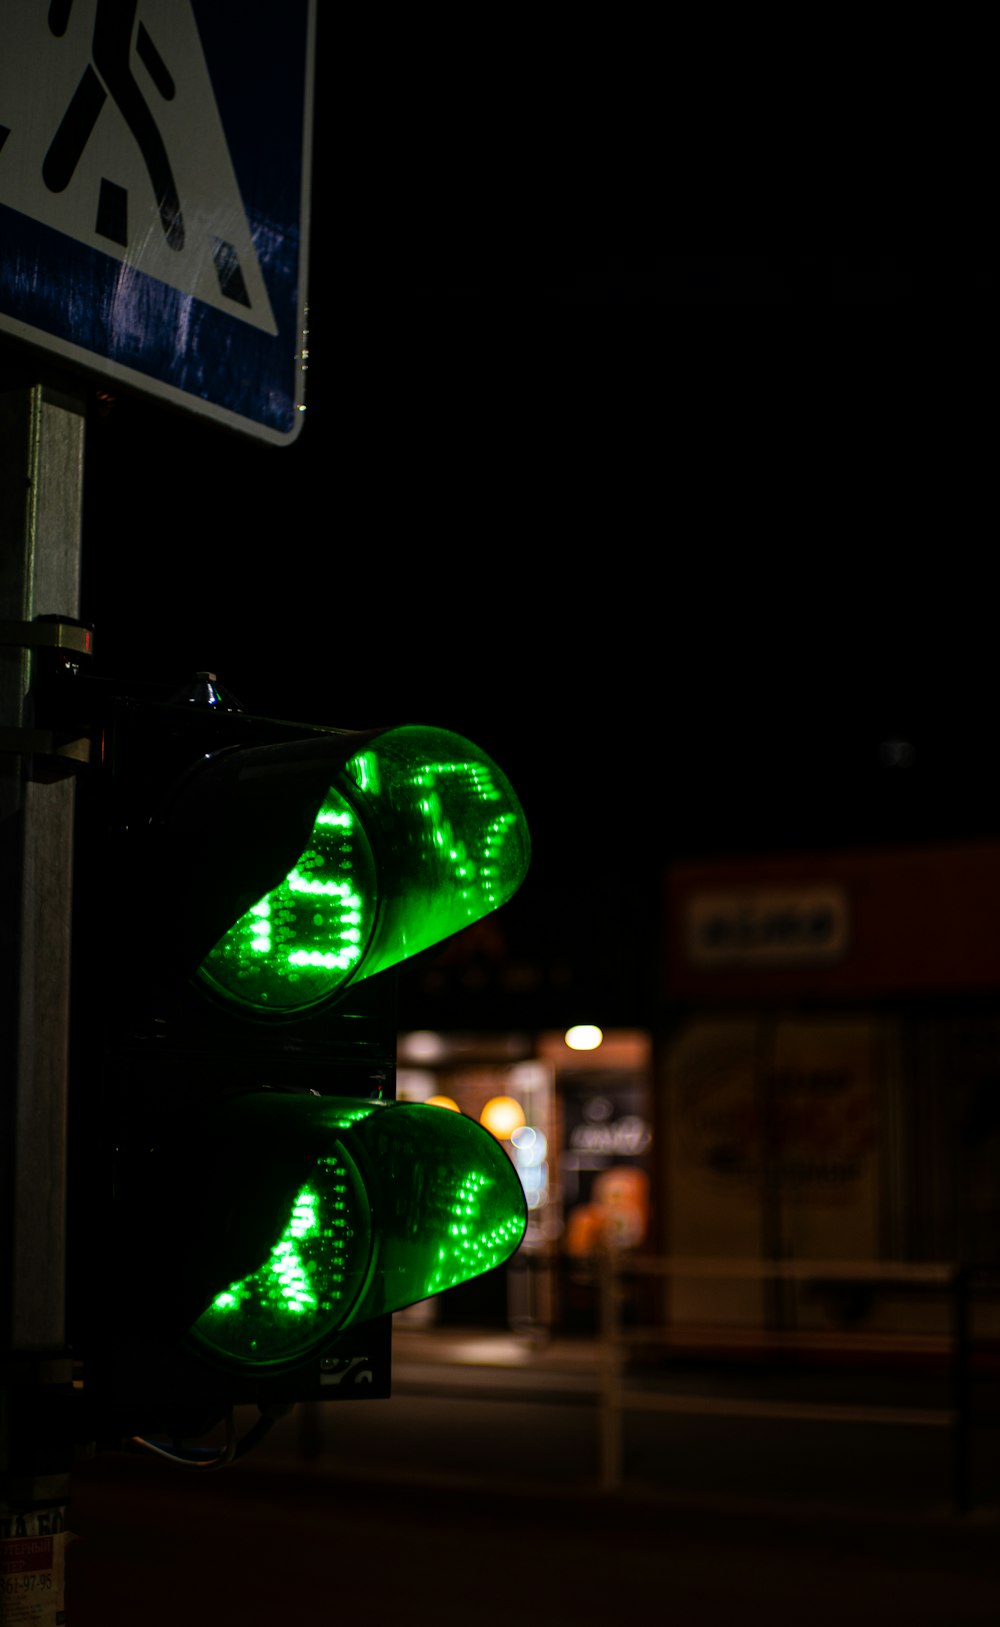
<point x="962" y="1389"/>
<point x="41" y="500"/>
<point x="611" y="1378"/>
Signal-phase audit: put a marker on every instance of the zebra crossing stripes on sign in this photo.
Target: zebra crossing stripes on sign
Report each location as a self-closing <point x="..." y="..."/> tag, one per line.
<point x="154" y="170"/>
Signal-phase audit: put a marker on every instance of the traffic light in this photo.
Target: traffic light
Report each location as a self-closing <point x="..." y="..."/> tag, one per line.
<point x="250" y="1202"/>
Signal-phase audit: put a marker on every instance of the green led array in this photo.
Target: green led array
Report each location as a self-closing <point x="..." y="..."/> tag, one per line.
<point x="458" y="818"/>
<point x="401" y="1203"/>
<point x="307" y="935"/>
<point x="478" y="1234"/>
<point x="307" y="1284"/>
<point x="420" y="836"/>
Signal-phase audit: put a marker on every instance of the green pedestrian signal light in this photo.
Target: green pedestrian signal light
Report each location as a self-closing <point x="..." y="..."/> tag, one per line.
<point x="401" y="1202"/>
<point x="397" y="845"/>
<point x="249" y="1159"/>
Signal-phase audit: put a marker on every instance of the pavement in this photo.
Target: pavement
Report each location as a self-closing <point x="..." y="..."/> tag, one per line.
<point x="470" y="1356"/>
<point x="478" y="1488"/>
<point x="832" y="1438"/>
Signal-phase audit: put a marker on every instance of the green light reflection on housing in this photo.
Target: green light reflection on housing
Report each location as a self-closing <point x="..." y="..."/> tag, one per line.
<point x="419" y="835"/>
<point x="402" y="1202"/>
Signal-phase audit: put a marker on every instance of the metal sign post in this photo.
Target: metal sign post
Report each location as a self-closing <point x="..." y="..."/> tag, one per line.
<point x="41" y="477"/>
<point x="154" y="203"/>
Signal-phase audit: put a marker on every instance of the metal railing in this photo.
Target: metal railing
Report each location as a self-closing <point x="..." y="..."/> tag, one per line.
<point x="618" y="1340"/>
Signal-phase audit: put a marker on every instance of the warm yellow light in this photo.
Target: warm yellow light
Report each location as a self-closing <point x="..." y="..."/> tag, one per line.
<point x="502" y="1115"/>
<point x="584" y="1037"/>
<point x="444" y="1101"/>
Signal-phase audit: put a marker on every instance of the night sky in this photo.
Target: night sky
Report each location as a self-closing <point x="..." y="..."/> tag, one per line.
<point x="658" y="548"/>
<point x="686" y="530"/>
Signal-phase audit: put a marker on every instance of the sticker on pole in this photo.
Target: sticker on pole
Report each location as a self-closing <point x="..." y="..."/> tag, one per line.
<point x="32" y="1567"/>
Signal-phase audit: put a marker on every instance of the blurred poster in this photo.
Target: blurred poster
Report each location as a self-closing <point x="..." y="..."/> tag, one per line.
<point x="821" y="1099"/>
<point x="606" y="1145"/>
<point x="773" y="1154"/>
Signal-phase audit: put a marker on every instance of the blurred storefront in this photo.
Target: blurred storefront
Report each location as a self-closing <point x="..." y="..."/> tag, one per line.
<point x="578" y="1125"/>
<point x="818" y="1081"/>
<point x="830" y="1074"/>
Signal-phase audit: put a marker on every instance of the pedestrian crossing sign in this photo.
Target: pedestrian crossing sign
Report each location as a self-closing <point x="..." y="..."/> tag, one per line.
<point x="154" y="192"/>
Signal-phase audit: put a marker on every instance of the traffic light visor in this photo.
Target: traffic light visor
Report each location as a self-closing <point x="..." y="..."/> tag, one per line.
<point x="398" y="1202"/>
<point x="418" y="835"/>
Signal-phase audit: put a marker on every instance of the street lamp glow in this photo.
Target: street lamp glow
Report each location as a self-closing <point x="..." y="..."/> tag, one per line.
<point x="583" y="1037"/>
<point x="502" y="1115"/>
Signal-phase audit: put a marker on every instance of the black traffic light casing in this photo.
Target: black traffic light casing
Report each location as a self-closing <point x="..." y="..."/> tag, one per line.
<point x="197" y="1116"/>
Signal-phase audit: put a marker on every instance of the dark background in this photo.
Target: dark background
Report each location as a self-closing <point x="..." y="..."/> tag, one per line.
<point x="656" y="466"/>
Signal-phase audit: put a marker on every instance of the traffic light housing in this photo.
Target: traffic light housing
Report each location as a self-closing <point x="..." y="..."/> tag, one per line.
<point x="251" y="1203"/>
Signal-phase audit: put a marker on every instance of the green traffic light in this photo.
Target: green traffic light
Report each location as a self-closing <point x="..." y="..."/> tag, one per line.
<point x="401" y="1202"/>
<point x="420" y="835"/>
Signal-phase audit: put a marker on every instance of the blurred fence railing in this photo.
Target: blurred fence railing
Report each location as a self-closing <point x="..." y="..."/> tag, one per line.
<point x="619" y="1339"/>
